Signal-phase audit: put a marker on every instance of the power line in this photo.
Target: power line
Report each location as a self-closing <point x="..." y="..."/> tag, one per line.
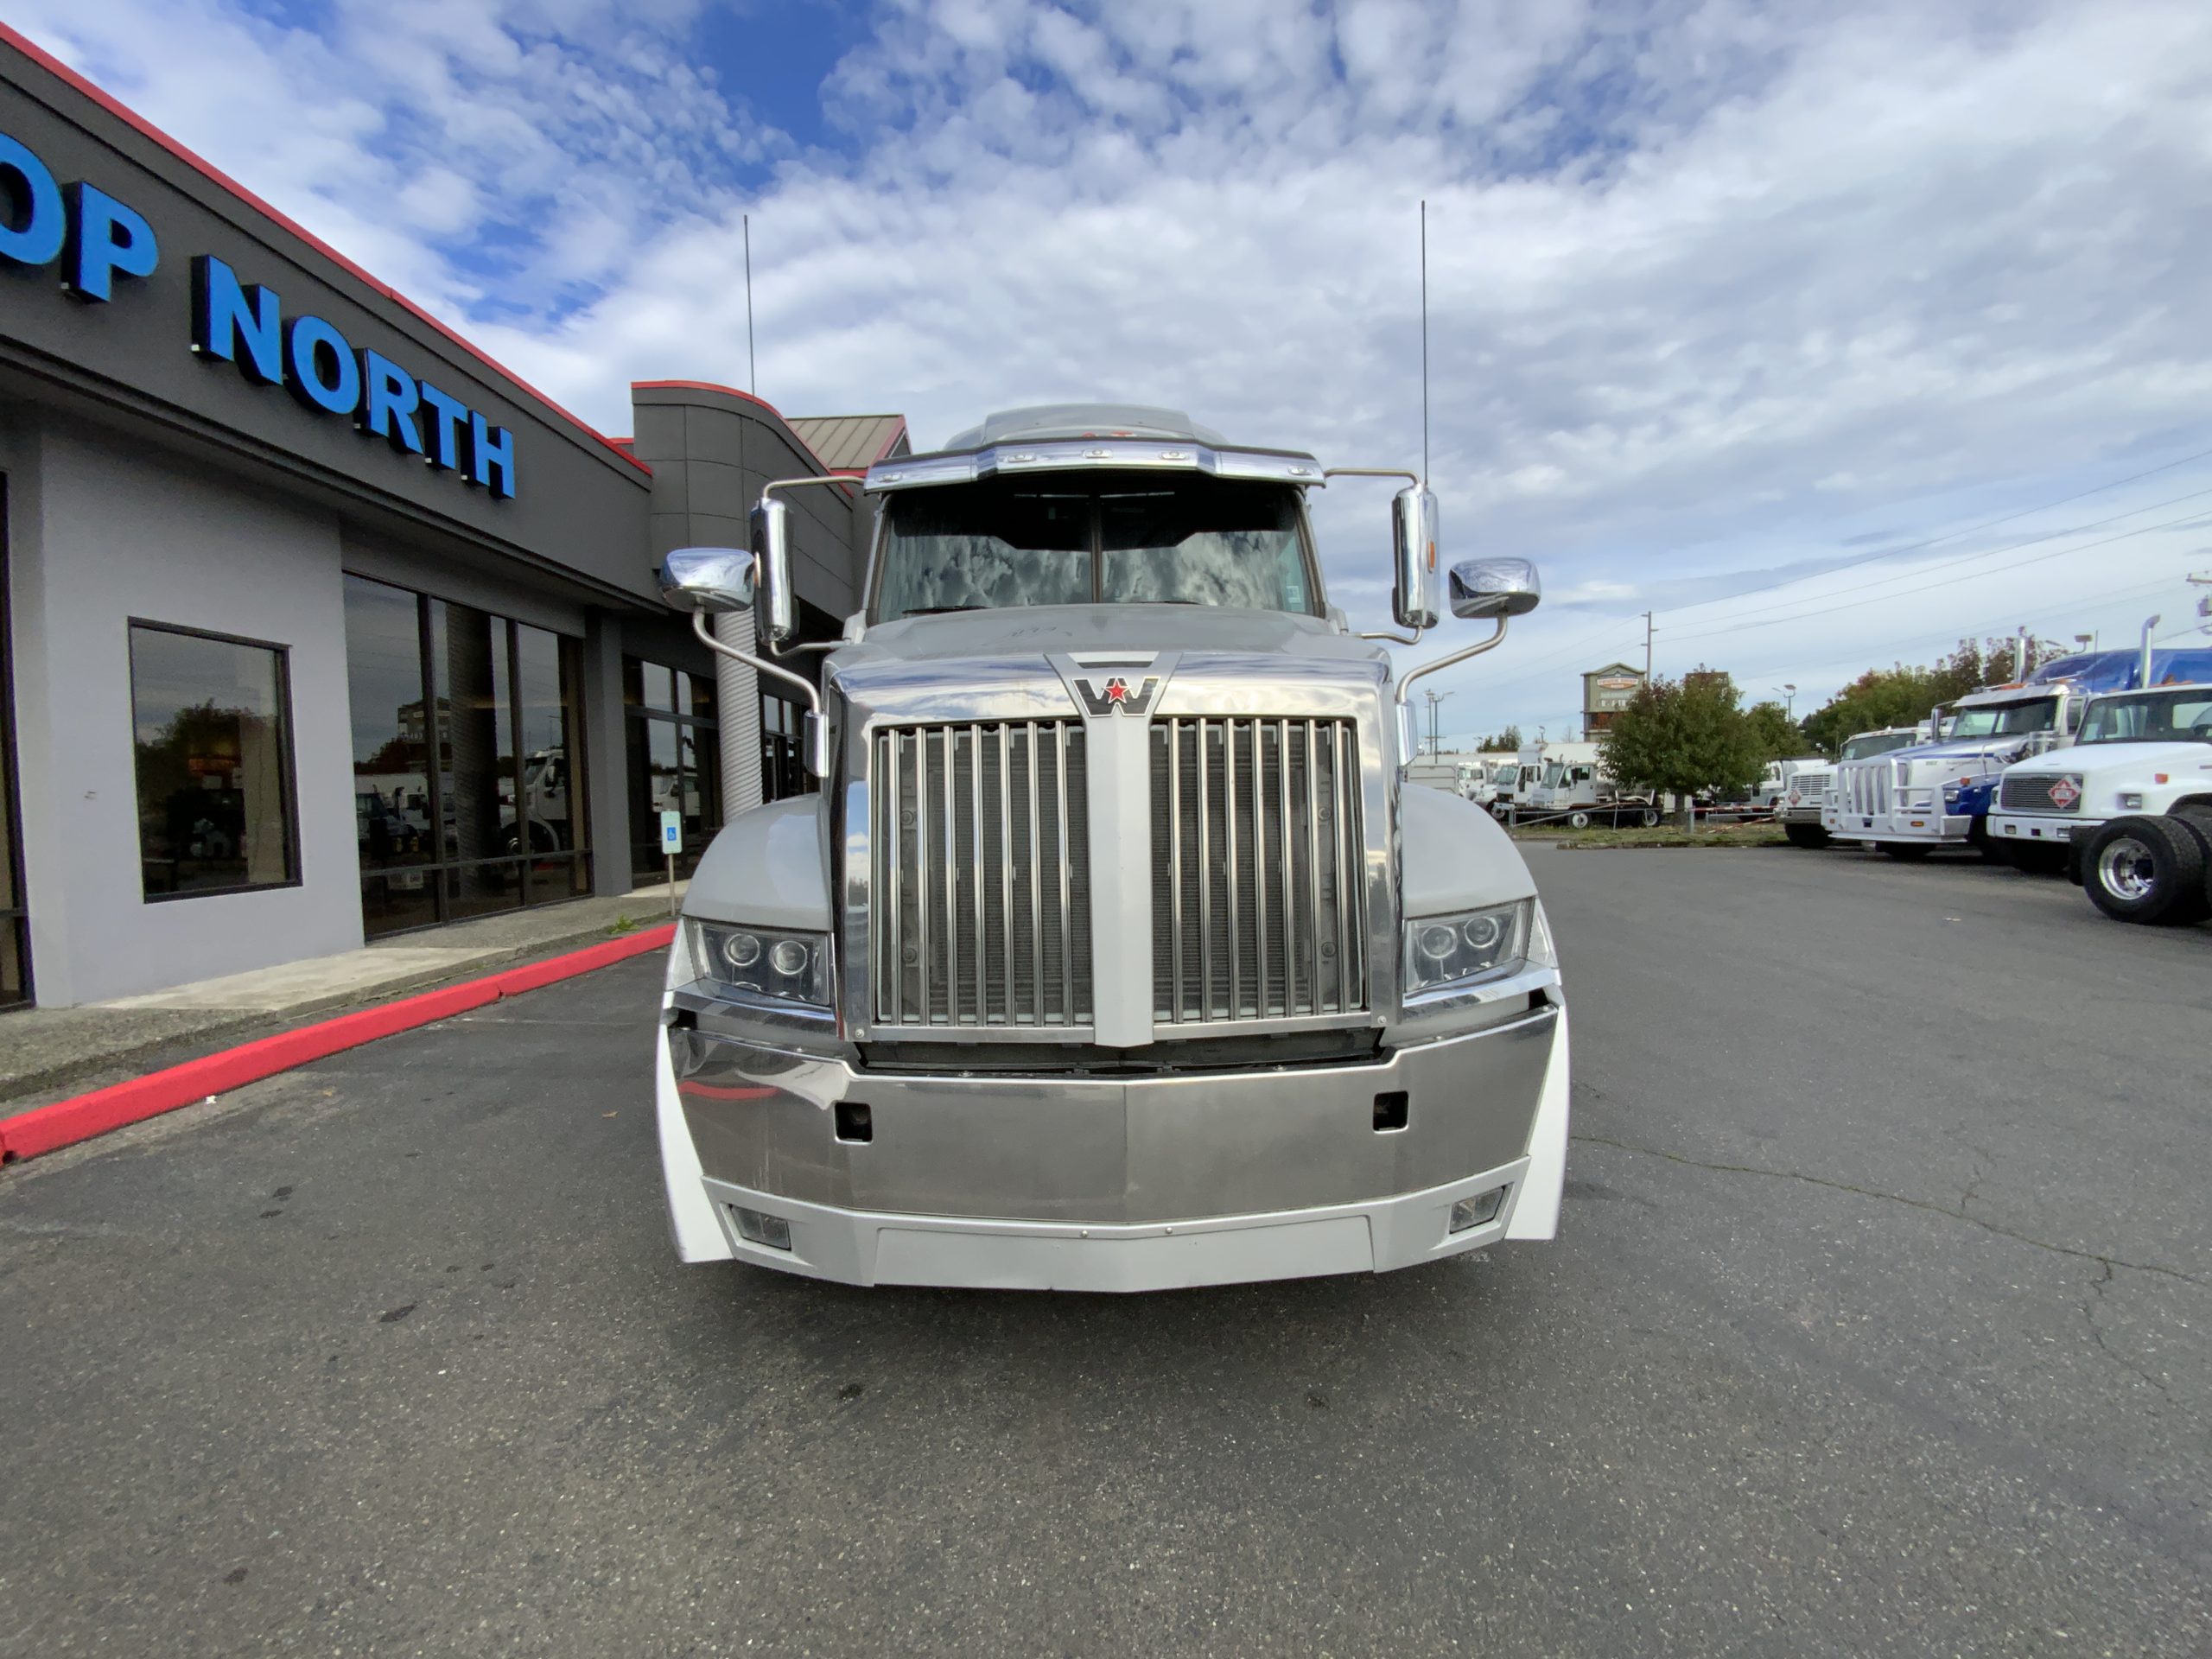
<point x="1949" y="581"/>
<point x="1820" y="603"/>
<point x="1952" y="536"/>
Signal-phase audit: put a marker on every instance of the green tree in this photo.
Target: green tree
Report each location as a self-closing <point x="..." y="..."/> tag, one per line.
<point x="1778" y="735"/>
<point x="1687" y="737"/>
<point x="1509" y="740"/>
<point x="1899" y="696"/>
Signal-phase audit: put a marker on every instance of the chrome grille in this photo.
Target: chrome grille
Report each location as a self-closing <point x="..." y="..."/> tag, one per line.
<point x="1257" y="868"/>
<point x="1863" y="790"/>
<point x="982" y="871"/>
<point x="1808" y="787"/>
<point x="2031" y="793"/>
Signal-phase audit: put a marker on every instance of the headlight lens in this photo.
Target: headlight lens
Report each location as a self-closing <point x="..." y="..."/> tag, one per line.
<point x="760" y="960"/>
<point x="1473" y="945"/>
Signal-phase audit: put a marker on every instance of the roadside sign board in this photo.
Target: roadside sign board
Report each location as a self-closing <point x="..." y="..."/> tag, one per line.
<point x="671" y="832"/>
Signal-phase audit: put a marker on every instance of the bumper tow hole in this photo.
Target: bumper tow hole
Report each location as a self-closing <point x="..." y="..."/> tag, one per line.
<point x="1390" y="1111"/>
<point x="854" y="1121"/>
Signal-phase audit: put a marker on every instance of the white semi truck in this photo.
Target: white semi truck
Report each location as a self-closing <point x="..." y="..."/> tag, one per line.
<point x="1114" y="953"/>
<point x="1801" y="804"/>
<point x="2126" y="809"/>
<point x="1573" y="787"/>
<point x="1911" y="801"/>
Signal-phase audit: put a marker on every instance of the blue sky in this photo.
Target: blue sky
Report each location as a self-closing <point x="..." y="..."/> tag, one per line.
<point x="1796" y="324"/>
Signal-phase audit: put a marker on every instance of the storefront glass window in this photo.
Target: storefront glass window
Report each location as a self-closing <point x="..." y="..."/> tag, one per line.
<point x="211" y="729"/>
<point x="675" y="762"/>
<point x="392" y="807"/>
<point x="15" y="919"/>
<point x="505" y="795"/>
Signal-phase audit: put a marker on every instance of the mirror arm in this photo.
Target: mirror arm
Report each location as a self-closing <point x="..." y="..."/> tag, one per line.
<point x="1475" y="650"/>
<point x="700" y="626"/>
<point x="1414" y="638"/>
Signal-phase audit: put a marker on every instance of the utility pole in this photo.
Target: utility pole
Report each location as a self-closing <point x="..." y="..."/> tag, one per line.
<point x="1435" y="740"/>
<point x="1647" y="647"/>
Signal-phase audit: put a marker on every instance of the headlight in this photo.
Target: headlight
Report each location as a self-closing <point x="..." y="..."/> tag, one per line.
<point x="1473" y="945"/>
<point x="758" y="961"/>
<point x="2131" y="800"/>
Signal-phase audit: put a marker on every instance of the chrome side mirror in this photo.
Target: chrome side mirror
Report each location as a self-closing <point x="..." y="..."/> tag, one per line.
<point x="1412" y="556"/>
<point x="1494" y="588"/>
<point x="776" y="609"/>
<point x="707" y="579"/>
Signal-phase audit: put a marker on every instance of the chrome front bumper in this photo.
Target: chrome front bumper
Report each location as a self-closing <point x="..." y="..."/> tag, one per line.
<point x="1105" y="1184"/>
<point x="1921" y="824"/>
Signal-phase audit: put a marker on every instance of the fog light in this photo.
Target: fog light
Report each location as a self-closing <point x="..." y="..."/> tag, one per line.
<point x="1478" y="1211"/>
<point x="771" y="1230"/>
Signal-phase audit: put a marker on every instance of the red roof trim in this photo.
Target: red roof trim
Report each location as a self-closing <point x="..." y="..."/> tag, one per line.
<point x="214" y="175"/>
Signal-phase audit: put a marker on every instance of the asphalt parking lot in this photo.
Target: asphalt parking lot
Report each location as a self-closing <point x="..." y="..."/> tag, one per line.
<point x="1877" y="1325"/>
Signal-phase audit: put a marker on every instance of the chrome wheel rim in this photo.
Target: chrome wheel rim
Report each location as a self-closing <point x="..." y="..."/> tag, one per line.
<point x="2124" y="869"/>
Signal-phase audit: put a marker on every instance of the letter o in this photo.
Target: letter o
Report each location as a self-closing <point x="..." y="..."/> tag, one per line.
<point x="320" y="368"/>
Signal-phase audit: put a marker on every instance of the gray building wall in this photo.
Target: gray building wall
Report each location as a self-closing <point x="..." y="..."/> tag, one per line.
<point x="101" y="533"/>
<point x="712" y="450"/>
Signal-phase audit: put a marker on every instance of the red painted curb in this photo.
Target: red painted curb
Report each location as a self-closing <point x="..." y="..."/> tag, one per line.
<point x="66" y="1123"/>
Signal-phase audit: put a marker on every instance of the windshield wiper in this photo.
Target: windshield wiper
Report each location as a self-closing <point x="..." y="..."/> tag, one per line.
<point x="939" y="610"/>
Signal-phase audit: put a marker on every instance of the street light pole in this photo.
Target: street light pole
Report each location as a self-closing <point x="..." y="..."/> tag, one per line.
<point x="1789" y="692"/>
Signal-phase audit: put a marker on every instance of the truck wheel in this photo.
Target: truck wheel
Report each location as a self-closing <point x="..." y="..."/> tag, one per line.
<point x="1806" y="835"/>
<point x="1648" y="817"/>
<point x="1577" y="820"/>
<point x="1905" y="849"/>
<point x="2141" y="868"/>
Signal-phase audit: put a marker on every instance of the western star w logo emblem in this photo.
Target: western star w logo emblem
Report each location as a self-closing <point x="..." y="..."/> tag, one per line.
<point x="1115" y="697"/>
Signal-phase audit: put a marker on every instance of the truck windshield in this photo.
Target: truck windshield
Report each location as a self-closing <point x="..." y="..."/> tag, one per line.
<point x="1114" y="538"/>
<point x="2182" y="716"/>
<point x="2006" y="718"/>
<point x="1866" y="743"/>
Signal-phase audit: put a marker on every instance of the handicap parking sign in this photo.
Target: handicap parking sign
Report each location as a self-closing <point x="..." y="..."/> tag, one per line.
<point x="671" y="832"/>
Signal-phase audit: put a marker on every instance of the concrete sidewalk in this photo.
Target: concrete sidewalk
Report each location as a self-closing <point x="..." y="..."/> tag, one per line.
<point x="50" y="1053"/>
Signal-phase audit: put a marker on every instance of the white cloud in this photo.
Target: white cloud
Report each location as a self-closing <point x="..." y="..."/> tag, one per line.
<point x="1717" y="290"/>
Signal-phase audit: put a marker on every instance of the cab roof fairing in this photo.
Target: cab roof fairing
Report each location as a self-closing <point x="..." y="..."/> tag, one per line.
<point x="1094" y="454"/>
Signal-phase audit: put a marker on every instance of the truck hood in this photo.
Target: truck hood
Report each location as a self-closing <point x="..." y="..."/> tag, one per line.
<point x="2127" y="759"/>
<point x="1036" y="631"/>
<point x="1022" y="665"/>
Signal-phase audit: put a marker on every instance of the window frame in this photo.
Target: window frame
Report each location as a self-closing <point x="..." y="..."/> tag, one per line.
<point x="287" y="768"/>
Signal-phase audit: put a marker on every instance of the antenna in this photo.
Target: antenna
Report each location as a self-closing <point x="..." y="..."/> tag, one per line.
<point x="1424" y="340"/>
<point x="752" y="365"/>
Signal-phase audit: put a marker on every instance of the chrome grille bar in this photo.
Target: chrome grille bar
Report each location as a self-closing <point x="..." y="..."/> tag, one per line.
<point x="1275" y="931"/>
<point x="969" y="823"/>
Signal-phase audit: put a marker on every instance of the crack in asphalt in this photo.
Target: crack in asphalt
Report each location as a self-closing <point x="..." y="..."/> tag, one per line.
<point x="2089" y="1306"/>
<point x="2106" y="1261"/>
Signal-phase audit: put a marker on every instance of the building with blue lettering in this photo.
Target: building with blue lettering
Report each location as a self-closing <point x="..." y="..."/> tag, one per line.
<point x="316" y="623"/>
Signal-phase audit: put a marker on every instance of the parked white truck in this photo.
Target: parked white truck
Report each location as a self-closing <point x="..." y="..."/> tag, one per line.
<point x="1114" y="954"/>
<point x="1574" y="787"/>
<point x="1911" y="801"/>
<point x="1801" y="805"/>
<point x="2126" y="809"/>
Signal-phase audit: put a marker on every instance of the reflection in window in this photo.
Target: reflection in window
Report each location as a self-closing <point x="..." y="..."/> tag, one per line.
<point x="211" y="727"/>
<point x="498" y="820"/>
<point x="675" y="765"/>
<point x="1126" y="538"/>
